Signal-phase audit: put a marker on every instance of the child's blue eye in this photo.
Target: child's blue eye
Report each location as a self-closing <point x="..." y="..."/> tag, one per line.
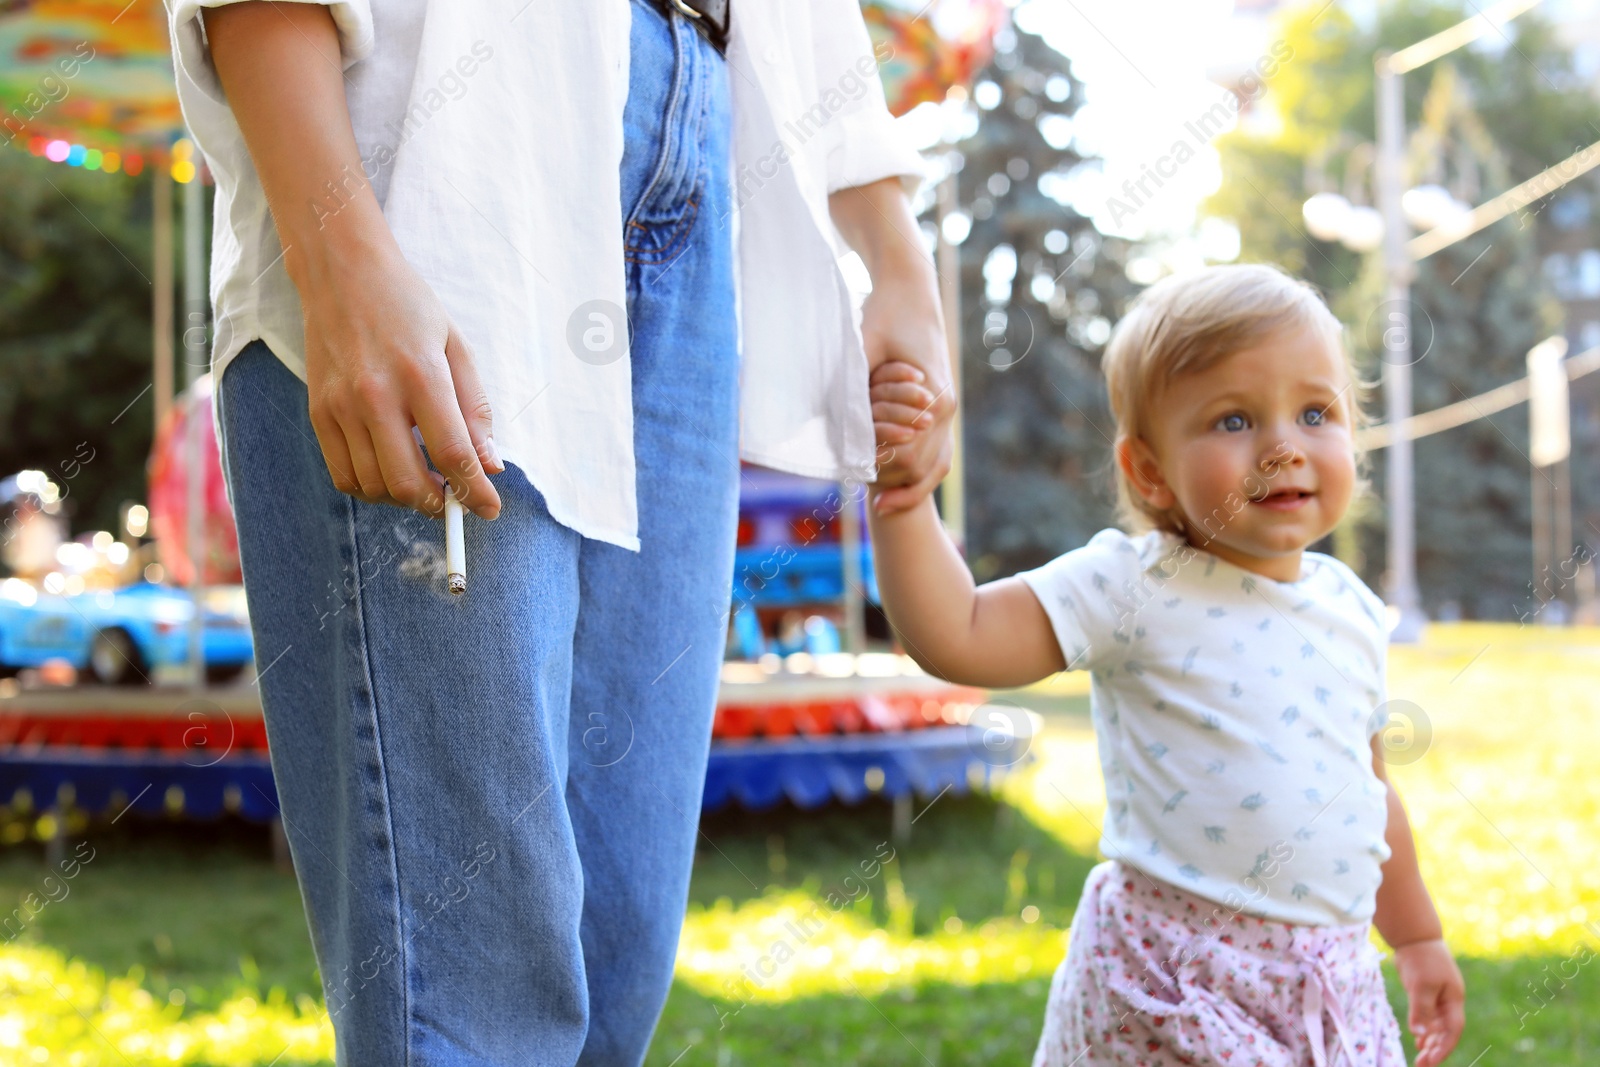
<point x="1233" y="423"/>
<point x="1316" y="416"/>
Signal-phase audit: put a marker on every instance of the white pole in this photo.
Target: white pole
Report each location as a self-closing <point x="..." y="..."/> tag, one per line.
<point x="1396" y="355"/>
<point x="1549" y="445"/>
<point x="161" y="302"/>
<point x="194" y="359"/>
<point x="948" y="261"/>
<point x="854" y="638"/>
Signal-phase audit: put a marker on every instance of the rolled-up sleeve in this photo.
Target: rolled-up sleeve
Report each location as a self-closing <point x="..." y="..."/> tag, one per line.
<point x="865" y="144"/>
<point x="192" y="58"/>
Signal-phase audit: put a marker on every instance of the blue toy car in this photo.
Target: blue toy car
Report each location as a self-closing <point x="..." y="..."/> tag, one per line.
<point x="122" y="637"/>
<point x="36" y="626"/>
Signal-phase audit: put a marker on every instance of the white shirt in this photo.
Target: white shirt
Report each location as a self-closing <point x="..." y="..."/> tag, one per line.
<point x="1233" y="715"/>
<point x="491" y="131"/>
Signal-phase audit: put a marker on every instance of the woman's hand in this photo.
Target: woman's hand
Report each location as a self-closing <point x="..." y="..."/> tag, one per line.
<point x="381" y="354"/>
<point x="1436" y="996"/>
<point x="901" y="321"/>
<point x="902" y="325"/>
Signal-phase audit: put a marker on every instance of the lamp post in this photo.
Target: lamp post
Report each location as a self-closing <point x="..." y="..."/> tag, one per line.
<point x="1399" y="264"/>
<point x="1396" y="354"/>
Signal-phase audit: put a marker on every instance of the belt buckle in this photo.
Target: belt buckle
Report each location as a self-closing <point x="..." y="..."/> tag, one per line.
<point x="701" y="17"/>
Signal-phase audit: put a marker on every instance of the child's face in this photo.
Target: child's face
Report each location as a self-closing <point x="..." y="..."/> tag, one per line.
<point x="1257" y="451"/>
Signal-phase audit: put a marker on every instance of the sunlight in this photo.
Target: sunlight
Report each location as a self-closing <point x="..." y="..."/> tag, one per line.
<point x="793" y="944"/>
<point x="55" y="1010"/>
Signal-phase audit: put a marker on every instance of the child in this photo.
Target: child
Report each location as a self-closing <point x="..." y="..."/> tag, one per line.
<point x="1237" y="685"/>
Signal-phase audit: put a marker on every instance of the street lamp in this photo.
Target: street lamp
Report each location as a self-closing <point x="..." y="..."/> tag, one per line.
<point x="1433" y="210"/>
<point x="1405" y="599"/>
<point x="1331" y="217"/>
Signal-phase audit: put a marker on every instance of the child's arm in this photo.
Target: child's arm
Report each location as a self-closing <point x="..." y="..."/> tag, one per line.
<point x="1408" y="922"/>
<point x="994" y="636"/>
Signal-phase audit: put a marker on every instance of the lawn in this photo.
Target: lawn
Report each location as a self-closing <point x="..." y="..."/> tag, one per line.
<point x="183" y="945"/>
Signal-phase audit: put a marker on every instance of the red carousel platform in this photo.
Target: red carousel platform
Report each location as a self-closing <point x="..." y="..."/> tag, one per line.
<point x="877" y="728"/>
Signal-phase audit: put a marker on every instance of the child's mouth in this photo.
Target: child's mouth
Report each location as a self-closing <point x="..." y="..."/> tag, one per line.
<point x="1284" y="499"/>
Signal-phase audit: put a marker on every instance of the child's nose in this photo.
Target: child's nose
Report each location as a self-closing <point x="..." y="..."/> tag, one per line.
<point x="1283" y="454"/>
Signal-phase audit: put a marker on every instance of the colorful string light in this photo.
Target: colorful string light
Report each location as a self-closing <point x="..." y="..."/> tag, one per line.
<point x="181" y="162"/>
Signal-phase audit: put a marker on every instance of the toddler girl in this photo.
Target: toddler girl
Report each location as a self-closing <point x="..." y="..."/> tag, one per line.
<point x="1237" y="687"/>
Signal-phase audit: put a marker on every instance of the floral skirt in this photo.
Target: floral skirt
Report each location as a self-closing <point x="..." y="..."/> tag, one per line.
<point x="1156" y="975"/>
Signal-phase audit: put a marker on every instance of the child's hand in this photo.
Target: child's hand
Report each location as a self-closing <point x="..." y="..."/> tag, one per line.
<point x="900" y="412"/>
<point x="900" y="402"/>
<point x="1436" y="994"/>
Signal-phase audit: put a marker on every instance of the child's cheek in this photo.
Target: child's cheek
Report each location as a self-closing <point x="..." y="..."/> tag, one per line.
<point x="1337" y="478"/>
<point x="1208" y="472"/>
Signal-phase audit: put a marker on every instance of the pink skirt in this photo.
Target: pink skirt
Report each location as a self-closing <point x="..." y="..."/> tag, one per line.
<point x="1156" y="975"/>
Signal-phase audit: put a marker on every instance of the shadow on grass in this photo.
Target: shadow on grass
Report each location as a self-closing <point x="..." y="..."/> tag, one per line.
<point x="915" y="1026"/>
<point x="970" y="857"/>
<point x="198" y="907"/>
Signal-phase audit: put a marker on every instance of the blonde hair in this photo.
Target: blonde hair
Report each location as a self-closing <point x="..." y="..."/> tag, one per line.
<point x="1189" y="322"/>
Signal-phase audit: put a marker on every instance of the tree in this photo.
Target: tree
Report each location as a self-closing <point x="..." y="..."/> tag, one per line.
<point x="1041" y="288"/>
<point x="75" y="332"/>
<point x="1481" y="123"/>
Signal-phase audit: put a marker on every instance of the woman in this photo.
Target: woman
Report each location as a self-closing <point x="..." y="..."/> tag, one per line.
<point x="505" y="233"/>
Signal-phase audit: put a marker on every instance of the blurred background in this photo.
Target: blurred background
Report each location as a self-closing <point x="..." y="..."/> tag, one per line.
<point x="889" y="864"/>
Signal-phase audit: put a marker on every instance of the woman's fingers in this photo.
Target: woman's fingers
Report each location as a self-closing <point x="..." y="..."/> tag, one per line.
<point x="392" y="387"/>
<point x="438" y="415"/>
<point x="364" y="463"/>
<point x="406" y="475"/>
<point x="892" y="433"/>
<point x="335" y="452"/>
<point x="474" y="402"/>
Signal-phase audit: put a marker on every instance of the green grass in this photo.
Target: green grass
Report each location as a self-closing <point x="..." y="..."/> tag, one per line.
<point x="184" y="945"/>
<point x="195" y="908"/>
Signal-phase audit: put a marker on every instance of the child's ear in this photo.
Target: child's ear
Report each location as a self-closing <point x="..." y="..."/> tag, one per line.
<point x="1137" y="461"/>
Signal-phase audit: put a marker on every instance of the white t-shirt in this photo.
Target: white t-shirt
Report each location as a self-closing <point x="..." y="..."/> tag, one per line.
<point x="1233" y="714"/>
<point x="491" y="131"/>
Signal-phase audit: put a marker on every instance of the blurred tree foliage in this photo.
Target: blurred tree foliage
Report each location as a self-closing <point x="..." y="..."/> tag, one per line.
<point x="75" y="301"/>
<point x="1040" y="290"/>
<point x="1482" y="120"/>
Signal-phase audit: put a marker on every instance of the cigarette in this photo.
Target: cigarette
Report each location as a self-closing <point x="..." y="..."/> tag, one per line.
<point x="455" y="552"/>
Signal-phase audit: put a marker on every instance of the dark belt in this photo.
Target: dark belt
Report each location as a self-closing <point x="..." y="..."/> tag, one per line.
<point x="710" y="17"/>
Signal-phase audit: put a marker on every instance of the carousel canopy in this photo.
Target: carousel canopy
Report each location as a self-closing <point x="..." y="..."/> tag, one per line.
<point x="926" y="49"/>
<point x="89" y="84"/>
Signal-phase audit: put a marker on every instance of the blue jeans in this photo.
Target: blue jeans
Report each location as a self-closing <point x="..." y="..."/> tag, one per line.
<point x="492" y="800"/>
